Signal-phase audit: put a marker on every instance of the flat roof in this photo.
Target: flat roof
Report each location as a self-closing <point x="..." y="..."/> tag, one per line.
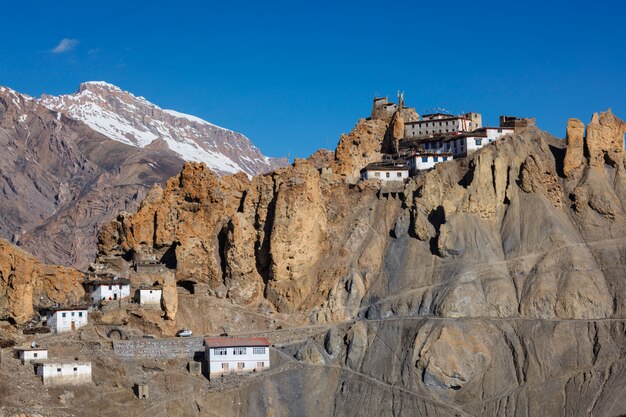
<point x="30" y="349"/>
<point x="60" y="362"/>
<point x="420" y="154"/>
<point x="220" y="342"/>
<point x="381" y="166"/>
<point x="57" y="308"/>
<point x="110" y="281"/>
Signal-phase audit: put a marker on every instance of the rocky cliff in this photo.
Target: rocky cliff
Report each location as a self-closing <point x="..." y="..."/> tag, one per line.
<point x="61" y="178"/>
<point x="25" y="282"/>
<point x="491" y="285"/>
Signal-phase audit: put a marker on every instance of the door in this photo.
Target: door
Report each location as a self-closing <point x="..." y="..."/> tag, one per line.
<point x="73" y="325"/>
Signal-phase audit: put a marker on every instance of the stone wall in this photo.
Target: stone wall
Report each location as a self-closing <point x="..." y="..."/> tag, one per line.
<point x="180" y="347"/>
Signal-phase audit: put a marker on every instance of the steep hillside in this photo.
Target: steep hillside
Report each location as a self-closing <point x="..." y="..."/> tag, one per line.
<point x="135" y="121"/>
<point x="487" y="286"/>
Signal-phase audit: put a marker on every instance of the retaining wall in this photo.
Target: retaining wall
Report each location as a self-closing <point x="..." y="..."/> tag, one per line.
<point x="172" y="348"/>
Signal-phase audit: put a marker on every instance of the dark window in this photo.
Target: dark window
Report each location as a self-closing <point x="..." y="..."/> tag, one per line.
<point x="80" y="314"/>
<point x="58" y="369"/>
<point x="424" y="159"/>
<point x="435" y="158"/>
<point x="445" y="158"/>
<point x="63" y="314"/>
<point x="75" y="369"/>
<point x="478" y="142"/>
<point x="387" y="175"/>
<point x="399" y="174"/>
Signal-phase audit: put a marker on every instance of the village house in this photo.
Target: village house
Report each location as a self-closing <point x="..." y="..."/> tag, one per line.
<point x="385" y="171"/>
<point x="64" y="373"/>
<point x="32" y="354"/>
<point x="66" y="319"/>
<point x="225" y="355"/>
<point x="423" y="160"/>
<point x="150" y="296"/>
<point x="107" y="288"/>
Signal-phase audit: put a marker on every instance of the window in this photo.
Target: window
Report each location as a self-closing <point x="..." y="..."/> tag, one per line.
<point x="225" y="367"/>
<point x="387" y="174"/>
<point x="490" y="140"/>
<point x="72" y="314"/>
<point x="80" y="314"/>
<point x="435" y="158"/>
<point x="75" y="369"/>
<point x="219" y="351"/>
<point x="260" y="364"/>
<point x="445" y="158"/>
<point x="398" y="174"/>
<point x="424" y="159"/>
<point x="478" y="142"/>
<point x="240" y="366"/>
<point x="239" y="351"/>
<point x="258" y="350"/>
<point x="63" y="314"/>
<point x="34" y="355"/>
<point x="120" y="286"/>
<point x="58" y="369"/>
<point x="499" y="130"/>
<point x="110" y="287"/>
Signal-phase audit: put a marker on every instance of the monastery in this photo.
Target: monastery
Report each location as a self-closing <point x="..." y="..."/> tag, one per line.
<point x="414" y="143"/>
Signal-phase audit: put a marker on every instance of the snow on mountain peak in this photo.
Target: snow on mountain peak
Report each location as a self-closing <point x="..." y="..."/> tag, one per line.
<point x="133" y="120"/>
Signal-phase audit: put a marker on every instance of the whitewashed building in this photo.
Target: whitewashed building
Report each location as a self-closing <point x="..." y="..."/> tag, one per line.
<point x="421" y="161"/>
<point x="150" y="296"/>
<point x="32" y="354"/>
<point x="108" y="289"/>
<point x="64" y="373"/>
<point x="385" y="172"/>
<point x="441" y="124"/>
<point x="66" y="319"/>
<point x="225" y="355"/>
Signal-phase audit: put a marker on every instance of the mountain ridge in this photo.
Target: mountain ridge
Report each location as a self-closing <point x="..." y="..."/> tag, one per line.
<point x="135" y="121"/>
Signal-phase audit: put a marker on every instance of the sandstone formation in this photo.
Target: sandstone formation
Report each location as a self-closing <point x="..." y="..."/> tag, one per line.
<point x="25" y="283"/>
<point x="574" y="146"/>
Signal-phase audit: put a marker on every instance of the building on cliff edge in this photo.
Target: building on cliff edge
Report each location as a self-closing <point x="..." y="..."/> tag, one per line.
<point x="66" y="319"/>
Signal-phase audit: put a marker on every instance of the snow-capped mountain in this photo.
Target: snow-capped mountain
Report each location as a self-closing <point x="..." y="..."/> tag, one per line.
<point x="135" y="121"/>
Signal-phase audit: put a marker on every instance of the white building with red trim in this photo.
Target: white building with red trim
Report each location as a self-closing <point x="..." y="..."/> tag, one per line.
<point x="229" y="355"/>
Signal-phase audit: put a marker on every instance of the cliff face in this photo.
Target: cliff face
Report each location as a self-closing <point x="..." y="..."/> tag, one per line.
<point x="25" y="282"/>
<point x="491" y="285"/>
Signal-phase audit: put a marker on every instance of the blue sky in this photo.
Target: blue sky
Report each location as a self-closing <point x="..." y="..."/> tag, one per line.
<point x="293" y="76"/>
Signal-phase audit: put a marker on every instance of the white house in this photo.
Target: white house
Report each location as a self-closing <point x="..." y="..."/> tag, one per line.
<point x="64" y="373"/>
<point x="150" y="296"/>
<point x="226" y="355"/>
<point x="112" y="288"/>
<point x="66" y="319"/>
<point x="385" y="171"/>
<point x="32" y="354"/>
<point x="423" y="160"/>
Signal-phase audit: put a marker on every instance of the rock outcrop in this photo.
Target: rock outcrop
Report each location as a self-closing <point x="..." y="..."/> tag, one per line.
<point x="574" y="146"/>
<point x="25" y="283"/>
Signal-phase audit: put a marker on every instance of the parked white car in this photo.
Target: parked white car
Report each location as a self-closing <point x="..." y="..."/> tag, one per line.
<point x="184" y="333"/>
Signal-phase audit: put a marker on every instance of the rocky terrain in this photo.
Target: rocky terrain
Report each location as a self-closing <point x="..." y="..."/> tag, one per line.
<point x="489" y="286"/>
<point x="60" y="179"/>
